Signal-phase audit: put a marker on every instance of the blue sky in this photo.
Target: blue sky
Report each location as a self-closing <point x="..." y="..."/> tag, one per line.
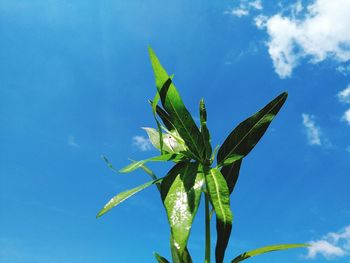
<point x="74" y="82"/>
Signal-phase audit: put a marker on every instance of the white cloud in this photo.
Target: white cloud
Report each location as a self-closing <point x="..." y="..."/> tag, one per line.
<point x="325" y="249"/>
<point x="334" y="244"/>
<point x="297" y="8"/>
<point x="312" y="130"/>
<point x="344" y="69"/>
<point x="239" y="12"/>
<point x="142" y="143"/>
<point x="344" y="95"/>
<point x="256" y="4"/>
<point x="72" y="142"/>
<point x="346" y="116"/>
<point x="322" y="33"/>
<point x="245" y="7"/>
<point x="260" y="21"/>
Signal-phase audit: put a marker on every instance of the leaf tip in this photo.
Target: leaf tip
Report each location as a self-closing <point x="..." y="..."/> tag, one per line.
<point x="100" y="214"/>
<point x="150" y="51"/>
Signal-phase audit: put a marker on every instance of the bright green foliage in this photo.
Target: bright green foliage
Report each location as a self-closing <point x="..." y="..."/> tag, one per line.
<point x="181" y="190"/>
<point x="188" y="146"/>
<point x="266" y="249"/>
<point x="162" y="158"/>
<point x="123" y="196"/>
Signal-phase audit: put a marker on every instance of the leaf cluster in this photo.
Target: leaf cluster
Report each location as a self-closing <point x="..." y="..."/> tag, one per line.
<point x="194" y="174"/>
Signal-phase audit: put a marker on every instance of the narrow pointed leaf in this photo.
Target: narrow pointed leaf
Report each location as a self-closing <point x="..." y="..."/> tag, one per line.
<point x="220" y="199"/>
<point x="247" y="134"/>
<point x="266" y="249"/>
<point x="230" y="173"/>
<point x="150" y="173"/>
<point x="174" y="106"/>
<point x="160" y="259"/>
<point x="204" y="129"/>
<point x="219" y="195"/>
<point x="109" y="164"/>
<point x="161" y="158"/>
<point x="223" y="232"/>
<point x="180" y="191"/>
<point x="119" y="198"/>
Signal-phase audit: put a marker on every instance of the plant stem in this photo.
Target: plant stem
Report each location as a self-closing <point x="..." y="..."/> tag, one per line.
<point x="207" y="229"/>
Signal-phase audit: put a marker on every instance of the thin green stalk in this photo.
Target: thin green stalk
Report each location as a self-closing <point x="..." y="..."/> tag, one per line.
<point x="207" y="229"/>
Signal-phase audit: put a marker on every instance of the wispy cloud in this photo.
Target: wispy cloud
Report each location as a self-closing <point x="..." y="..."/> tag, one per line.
<point x="142" y="143"/>
<point x="344" y="69"/>
<point x="312" y="130"/>
<point x="346" y="116"/>
<point x="334" y="244"/>
<point x="245" y="7"/>
<point x="344" y="95"/>
<point x="260" y="21"/>
<point x="256" y="4"/>
<point x="239" y="12"/>
<point x="72" y="142"/>
<point x="318" y="35"/>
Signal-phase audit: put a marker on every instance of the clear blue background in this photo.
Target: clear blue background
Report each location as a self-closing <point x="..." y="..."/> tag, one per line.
<point x="74" y="82"/>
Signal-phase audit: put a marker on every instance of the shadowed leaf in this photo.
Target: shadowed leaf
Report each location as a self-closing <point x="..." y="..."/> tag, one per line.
<point x="220" y="199"/>
<point x="204" y="129"/>
<point x="247" y="134"/>
<point x="160" y="259"/>
<point x="164" y="117"/>
<point x="231" y="173"/>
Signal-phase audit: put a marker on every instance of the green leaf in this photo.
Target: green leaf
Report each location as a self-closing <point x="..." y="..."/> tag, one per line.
<point x="174" y="106"/>
<point x="150" y="173"/>
<point x="266" y="249"/>
<point x="161" y="158"/>
<point x="247" y="134"/>
<point x="204" y="129"/>
<point x="231" y="173"/>
<point x="180" y="191"/>
<point x="119" y="198"/>
<point x="220" y="199"/>
<point x="160" y="259"/>
<point x="185" y="258"/>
